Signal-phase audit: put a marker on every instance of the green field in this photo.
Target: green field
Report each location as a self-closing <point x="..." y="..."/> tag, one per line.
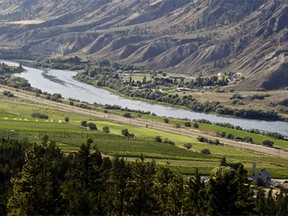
<point x="17" y="122"/>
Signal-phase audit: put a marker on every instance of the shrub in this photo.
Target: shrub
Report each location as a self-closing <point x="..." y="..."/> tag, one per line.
<point x="187" y="145"/>
<point x="268" y="143"/>
<point x="8" y="94"/>
<point x="166" y="120"/>
<point x="229" y="136"/>
<point x="195" y="125"/>
<point x="92" y="126"/>
<point x="40" y="115"/>
<point x="105" y="129"/>
<point x="167" y="141"/>
<point x="84" y="123"/>
<point x="221" y="134"/>
<point x="158" y="139"/>
<point x="205" y="151"/>
<point x="127" y="115"/>
<point x="202" y="139"/>
<point x="66" y="119"/>
<point x="125" y="132"/>
<point x="187" y="124"/>
<point x="178" y="125"/>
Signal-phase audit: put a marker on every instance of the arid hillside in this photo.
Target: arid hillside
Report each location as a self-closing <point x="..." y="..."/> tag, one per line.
<point x="183" y="36"/>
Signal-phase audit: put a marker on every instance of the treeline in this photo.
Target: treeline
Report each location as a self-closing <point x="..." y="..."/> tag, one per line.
<point x="42" y="180"/>
<point x="274" y="135"/>
<point x="7" y="69"/>
<point x="100" y="79"/>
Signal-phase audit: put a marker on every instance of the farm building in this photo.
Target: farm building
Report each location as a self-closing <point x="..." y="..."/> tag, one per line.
<point x="262" y="178"/>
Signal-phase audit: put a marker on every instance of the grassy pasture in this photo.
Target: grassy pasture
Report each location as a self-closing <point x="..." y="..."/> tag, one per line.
<point x="69" y="136"/>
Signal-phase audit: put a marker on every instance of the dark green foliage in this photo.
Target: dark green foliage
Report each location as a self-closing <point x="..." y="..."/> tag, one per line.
<point x="84" y="123"/>
<point x="195" y="125"/>
<point x="92" y="126"/>
<point x="167" y="141"/>
<point x="187" y="124"/>
<point x="37" y="189"/>
<point x="66" y="119"/>
<point x="205" y="151"/>
<point x="106" y="129"/>
<point x="40" y="115"/>
<point x="42" y="180"/>
<point x="127" y="115"/>
<point x="8" y="94"/>
<point x="126" y="133"/>
<point x="228" y="192"/>
<point x="166" y="120"/>
<point x="158" y="139"/>
<point x="187" y="145"/>
<point x="268" y="143"/>
<point x="178" y="125"/>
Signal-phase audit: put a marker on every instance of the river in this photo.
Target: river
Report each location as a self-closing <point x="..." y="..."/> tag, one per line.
<point x="61" y="81"/>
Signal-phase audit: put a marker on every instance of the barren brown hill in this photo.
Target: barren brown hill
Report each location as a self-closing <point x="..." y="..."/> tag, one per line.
<point x="183" y="36"/>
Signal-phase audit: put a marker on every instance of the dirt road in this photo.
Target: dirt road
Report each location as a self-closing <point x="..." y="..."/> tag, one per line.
<point x="189" y="132"/>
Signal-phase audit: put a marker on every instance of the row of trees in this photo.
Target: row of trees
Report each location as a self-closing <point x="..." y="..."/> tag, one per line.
<point x="105" y="79"/>
<point x="42" y="180"/>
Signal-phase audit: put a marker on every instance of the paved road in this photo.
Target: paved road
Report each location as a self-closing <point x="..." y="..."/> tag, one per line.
<point x="140" y="122"/>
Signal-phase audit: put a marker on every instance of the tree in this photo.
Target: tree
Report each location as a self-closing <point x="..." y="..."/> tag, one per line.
<point x="187" y="124"/>
<point x="195" y="125"/>
<point x="127" y="115"/>
<point x="169" y="192"/>
<point x="187" y="145"/>
<point x="205" y="151"/>
<point x="142" y="199"/>
<point x="166" y="120"/>
<point x="106" y="129"/>
<point x="84" y="123"/>
<point x="158" y="139"/>
<point x="84" y="184"/>
<point x="268" y="143"/>
<point x="125" y="132"/>
<point x="229" y="192"/>
<point x="195" y="196"/>
<point x="177" y="125"/>
<point x="37" y="190"/>
<point x="66" y="119"/>
<point x="119" y="191"/>
<point x="92" y="126"/>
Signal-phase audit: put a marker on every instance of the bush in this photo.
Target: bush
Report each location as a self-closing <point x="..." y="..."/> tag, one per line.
<point x="105" y="129"/>
<point x="202" y="139"/>
<point x="66" y="119"/>
<point x="268" y="143"/>
<point x="158" y="139"/>
<point x="125" y="132"/>
<point x="127" y="115"/>
<point x="178" y="125"/>
<point x="8" y="94"/>
<point x="92" y="126"/>
<point x="229" y="136"/>
<point x="187" y="145"/>
<point x="195" y="125"/>
<point x="167" y="141"/>
<point x="40" y="115"/>
<point x="84" y="123"/>
<point x="205" y="151"/>
<point x="221" y="134"/>
<point x="166" y="120"/>
<point x="187" y="124"/>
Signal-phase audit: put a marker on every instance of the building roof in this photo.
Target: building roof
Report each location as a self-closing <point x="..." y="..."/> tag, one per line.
<point x="266" y="173"/>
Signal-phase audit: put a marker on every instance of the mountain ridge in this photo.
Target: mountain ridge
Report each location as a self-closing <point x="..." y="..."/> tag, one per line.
<point x="188" y="37"/>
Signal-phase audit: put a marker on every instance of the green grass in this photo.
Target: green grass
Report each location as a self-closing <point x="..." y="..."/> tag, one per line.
<point x="257" y="138"/>
<point x="70" y="136"/>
